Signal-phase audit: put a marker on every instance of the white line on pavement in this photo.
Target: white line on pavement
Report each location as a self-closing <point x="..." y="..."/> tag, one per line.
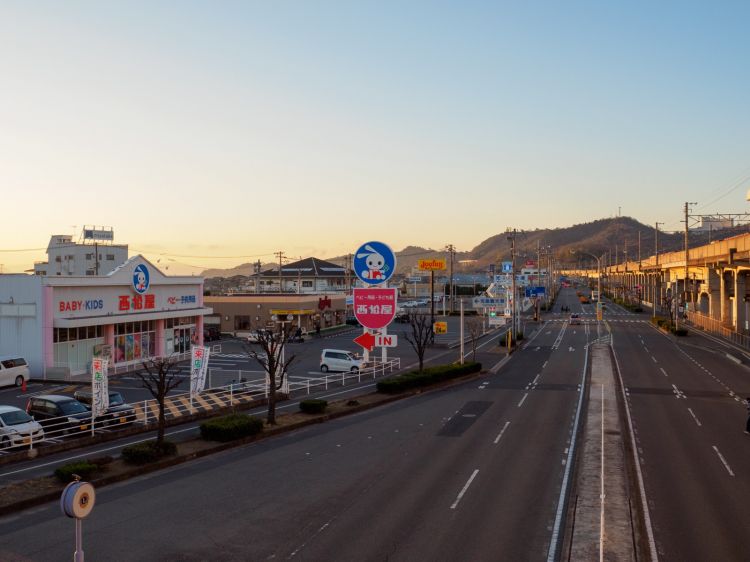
<point x="663" y="371"/>
<point x="522" y="400"/>
<point x="466" y="487"/>
<point x="654" y="358"/>
<point x="694" y="417"/>
<point x="497" y="439"/>
<point x="724" y="461"/>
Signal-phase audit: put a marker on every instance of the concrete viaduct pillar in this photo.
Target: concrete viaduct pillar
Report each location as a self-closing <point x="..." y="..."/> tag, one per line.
<point x="714" y="293"/>
<point x="727" y="286"/>
<point x="738" y="305"/>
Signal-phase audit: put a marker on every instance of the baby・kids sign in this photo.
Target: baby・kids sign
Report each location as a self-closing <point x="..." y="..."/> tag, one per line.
<point x="374" y="263"/>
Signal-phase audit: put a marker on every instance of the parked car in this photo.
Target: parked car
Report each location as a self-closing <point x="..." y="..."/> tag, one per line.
<point x="339" y="360"/>
<point x="575" y="319"/>
<point x="13" y="370"/>
<point x="211" y="334"/>
<point x="59" y="414"/>
<point x="402" y="316"/>
<point x="119" y="412"/>
<point x="18" y="428"/>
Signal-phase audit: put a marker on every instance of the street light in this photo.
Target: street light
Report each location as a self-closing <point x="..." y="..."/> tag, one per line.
<point x="598" y="279"/>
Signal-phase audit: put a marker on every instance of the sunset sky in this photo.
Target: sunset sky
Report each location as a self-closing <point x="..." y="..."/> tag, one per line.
<point x="215" y="133"/>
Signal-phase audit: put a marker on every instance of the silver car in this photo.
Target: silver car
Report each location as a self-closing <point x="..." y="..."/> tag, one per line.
<point x="18" y="428"/>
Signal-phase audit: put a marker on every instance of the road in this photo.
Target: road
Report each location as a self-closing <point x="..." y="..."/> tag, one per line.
<point x="469" y="473"/>
<point x="684" y="396"/>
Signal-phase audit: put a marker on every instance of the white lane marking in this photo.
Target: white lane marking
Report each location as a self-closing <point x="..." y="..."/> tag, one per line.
<point x="654" y="358"/>
<point x="499" y="436"/>
<point x="315" y="534"/>
<point x="522" y="400"/>
<point x="638" y="471"/>
<point x="663" y="371"/>
<point x="466" y="487"/>
<point x="555" y="539"/>
<point x="601" y="493"/>
<point x="724" y="461"/>
<point x="536" y="378"/>
<point x="678" y="393"/>
<point x="694" y="417"/>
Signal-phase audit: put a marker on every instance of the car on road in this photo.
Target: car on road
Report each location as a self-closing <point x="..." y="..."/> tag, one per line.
<point x="574" y="319"/>
<point x="59" y="414"/>
<point x="118" y="412"/>
<point x="18" y="428"/>
<point x="339" y="360"/>
<point x="13" y="370"/>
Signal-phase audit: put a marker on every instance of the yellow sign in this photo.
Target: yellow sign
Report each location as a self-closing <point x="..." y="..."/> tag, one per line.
<point x="434" y="264"/>
<point x="440" y="327"/>
<point x="284" y="312"/>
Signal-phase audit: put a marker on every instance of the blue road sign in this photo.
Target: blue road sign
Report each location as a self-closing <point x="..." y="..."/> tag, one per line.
<point x="507" y="267"/>
<point x="374" y="263"/>
<point x="535" y="291"/>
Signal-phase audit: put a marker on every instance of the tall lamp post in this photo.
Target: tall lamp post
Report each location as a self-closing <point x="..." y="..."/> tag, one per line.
<point x="598" y="280"/>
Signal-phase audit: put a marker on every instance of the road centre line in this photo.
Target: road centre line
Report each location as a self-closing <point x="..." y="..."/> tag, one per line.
<point x="522" y="400"/>
<point x="694" y="417"/>
<point x="724" y="461"/>
<point x="466" y="487"/>
<point x="663" y="371"/>
<point x="497" y="439"/>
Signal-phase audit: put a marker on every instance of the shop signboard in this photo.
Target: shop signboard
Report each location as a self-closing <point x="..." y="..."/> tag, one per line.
<point x="440" y="328"/>
<point x="432" y="264"/>
<point x="99" y="387"/>
<point x="98" y="234"/>
<point x="375" y="308"/>
<point x="374" y="263"/>
<point x="198" y="368"/>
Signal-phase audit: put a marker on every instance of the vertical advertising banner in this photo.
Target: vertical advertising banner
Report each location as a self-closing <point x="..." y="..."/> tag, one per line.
<point x="198" y="368"/>
<point x="99" y="387"/>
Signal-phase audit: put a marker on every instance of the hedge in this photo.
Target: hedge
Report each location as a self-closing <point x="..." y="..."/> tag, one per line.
<point x="146" y="452"/>
<point x="230" y="427"/>
<point x="84" y="469"/>
<point x="313" y="406"/>
<point x="429" y="376"/>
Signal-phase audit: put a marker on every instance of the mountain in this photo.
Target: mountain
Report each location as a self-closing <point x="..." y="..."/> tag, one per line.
<point x="618" y="236"/>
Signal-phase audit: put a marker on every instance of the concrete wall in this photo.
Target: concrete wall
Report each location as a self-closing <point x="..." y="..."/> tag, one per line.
<point x="21" y="319"/>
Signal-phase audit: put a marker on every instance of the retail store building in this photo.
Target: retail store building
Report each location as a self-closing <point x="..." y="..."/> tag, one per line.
<point x="59" y="323"/>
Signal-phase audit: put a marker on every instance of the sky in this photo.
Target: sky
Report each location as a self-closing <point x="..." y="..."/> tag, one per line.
<point x="209" y="134"/>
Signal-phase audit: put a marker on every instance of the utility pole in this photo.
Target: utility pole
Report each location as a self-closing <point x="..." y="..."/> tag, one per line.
<point x="687" y="250"/>
<point x="452" y="250"/>
<point x="513" y="315"/>
<point x="256" y="267"/>
<point x="657" y="286"/>
<point x="281" y="256"/>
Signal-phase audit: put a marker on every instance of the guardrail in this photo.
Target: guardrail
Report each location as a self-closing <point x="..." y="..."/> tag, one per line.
<point x="714" y="326"/>
<point x="238" y="391"/>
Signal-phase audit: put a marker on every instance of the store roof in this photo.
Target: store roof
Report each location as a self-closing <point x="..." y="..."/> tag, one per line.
<point x="308" y="267"/>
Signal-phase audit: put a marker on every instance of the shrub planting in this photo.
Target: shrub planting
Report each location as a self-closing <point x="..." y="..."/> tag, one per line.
<point x="313" y="406"/>
<point x="231" y="427"/>
<point x="84" y="469"/>
<point x="147" y="452"/>
<point x="429" y="376"/>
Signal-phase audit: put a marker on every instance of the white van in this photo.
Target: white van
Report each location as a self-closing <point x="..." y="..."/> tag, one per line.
<point x="339" y="360"/>
<point x="13" y="370"/>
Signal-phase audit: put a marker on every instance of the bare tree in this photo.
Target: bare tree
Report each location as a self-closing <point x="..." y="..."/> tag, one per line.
<point x="272" y="358"/>
<point x="420" y="337"/>
<point x="474" y="327"/>
<point x="159" y="378"/>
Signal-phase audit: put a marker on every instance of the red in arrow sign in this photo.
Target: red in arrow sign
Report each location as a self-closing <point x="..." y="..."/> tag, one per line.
<point x="366" y="340"/>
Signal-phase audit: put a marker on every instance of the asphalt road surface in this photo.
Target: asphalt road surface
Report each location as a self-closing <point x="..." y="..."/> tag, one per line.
<point x="469" y="473"/>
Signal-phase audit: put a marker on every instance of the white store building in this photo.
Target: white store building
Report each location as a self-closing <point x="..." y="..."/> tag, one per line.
<point x="59" y="323"/>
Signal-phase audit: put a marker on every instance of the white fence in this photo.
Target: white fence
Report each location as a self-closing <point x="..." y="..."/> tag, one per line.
<point x="240" y="389"/>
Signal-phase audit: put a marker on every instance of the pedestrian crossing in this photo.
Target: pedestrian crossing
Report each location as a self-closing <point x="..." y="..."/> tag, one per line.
<point x="606" y="319"/>
<point x="177" y="406"/>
